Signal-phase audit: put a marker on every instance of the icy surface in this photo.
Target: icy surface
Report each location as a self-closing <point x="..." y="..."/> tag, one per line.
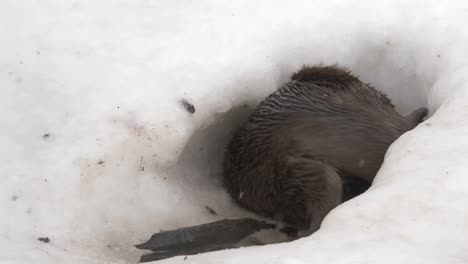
<point x="98" y="153"/>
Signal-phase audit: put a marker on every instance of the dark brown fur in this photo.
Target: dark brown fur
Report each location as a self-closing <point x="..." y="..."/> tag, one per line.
<point x="303" y="142"/>
<point x="330" y="74"/>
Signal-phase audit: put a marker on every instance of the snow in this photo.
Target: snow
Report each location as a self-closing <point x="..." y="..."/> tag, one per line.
<point x="98" y="153"/>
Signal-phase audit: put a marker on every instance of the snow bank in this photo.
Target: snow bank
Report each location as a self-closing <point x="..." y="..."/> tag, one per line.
<point x="97" y="151"/>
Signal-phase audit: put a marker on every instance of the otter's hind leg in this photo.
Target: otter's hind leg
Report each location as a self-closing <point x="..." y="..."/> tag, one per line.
<point x="354" y="186"/>
<point x="309" y="190"/>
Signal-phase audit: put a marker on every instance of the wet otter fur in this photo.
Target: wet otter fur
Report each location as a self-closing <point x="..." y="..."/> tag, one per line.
<point x="295" y="157"/>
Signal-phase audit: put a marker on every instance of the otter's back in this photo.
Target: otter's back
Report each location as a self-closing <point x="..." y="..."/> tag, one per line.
<point x="344" y="123"/>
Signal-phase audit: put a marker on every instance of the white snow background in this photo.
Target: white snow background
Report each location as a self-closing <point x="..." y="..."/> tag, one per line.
<point x="97" y="153"/>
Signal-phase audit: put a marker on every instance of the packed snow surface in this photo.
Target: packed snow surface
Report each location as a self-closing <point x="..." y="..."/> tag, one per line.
<point x="98" y="152"/>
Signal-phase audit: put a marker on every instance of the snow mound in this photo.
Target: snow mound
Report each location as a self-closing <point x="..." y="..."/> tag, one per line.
<point x="98" y="152"/>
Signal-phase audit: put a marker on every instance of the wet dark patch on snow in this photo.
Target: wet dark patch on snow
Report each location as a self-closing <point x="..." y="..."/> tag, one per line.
<point x="188" y="106"/>
<point x="142" y="164"/>
<point x="46" y="136"/>
<point x="44" y="239"/>
<point x="210" y="210"/>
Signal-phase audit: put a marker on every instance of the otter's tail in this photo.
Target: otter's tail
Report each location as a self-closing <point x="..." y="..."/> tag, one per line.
<point x="218" y="235"/>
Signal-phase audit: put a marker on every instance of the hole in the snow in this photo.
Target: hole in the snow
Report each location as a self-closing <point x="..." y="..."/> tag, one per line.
<point x="203" y="157"/>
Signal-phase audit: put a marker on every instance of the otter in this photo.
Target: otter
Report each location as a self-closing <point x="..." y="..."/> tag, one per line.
<point x="314" y="143"/>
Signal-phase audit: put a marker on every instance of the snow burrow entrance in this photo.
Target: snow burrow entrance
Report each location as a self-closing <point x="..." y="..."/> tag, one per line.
<point x="123" y="159"/>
